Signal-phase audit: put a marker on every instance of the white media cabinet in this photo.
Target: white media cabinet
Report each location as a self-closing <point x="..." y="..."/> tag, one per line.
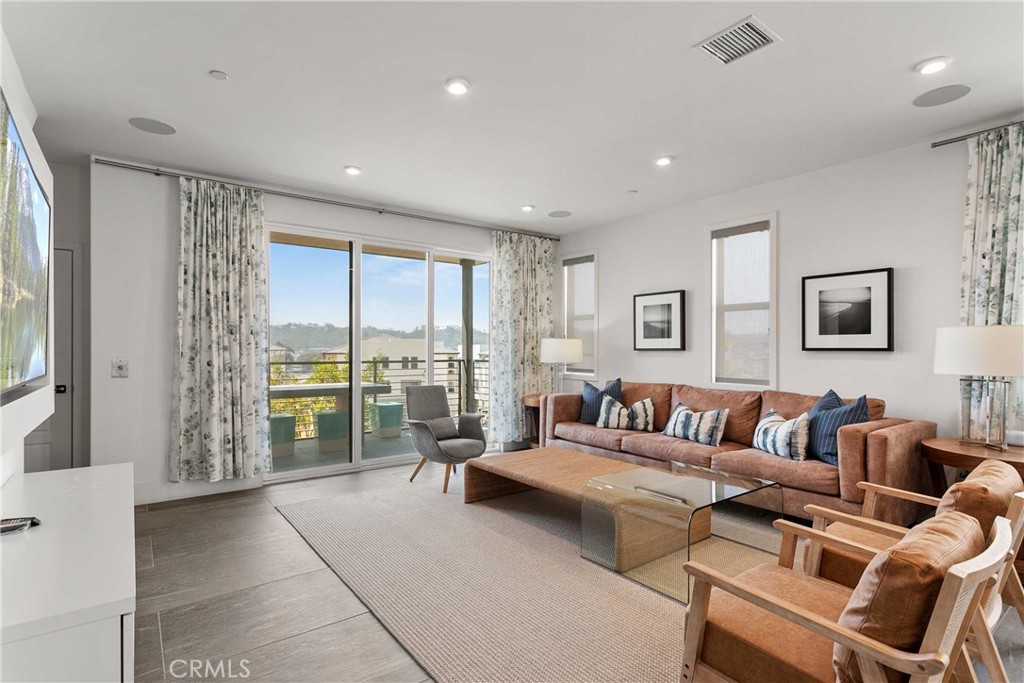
<point x="68" y="585"/>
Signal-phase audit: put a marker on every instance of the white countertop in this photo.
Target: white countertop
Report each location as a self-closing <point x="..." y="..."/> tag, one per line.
<point x="78" y="565"/>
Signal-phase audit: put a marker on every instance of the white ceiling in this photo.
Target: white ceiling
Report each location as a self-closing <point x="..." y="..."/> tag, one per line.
<point x="570" y="103"/>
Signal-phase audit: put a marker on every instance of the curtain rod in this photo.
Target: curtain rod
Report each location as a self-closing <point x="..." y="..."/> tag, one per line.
<point x="156" y="170"/>
<point x="968" y="136"/>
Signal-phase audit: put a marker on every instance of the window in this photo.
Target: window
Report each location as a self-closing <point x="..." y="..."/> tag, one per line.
<point x="580" y="306"/>
<point x="742" y="272"/>
<point x="405" y="362"/>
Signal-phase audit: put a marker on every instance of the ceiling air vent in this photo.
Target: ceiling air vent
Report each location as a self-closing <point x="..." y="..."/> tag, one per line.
<point x="739" y="40"/>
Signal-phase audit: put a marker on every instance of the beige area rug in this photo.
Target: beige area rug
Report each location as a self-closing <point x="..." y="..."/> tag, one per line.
<point x="493" y="591"/>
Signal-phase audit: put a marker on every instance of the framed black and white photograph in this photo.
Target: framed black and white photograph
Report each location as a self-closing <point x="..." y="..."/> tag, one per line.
<point x="848" y="311"/>
<point x="658" y="321"/>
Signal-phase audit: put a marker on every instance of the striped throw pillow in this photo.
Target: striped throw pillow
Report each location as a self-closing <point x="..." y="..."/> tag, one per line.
<point x="639" y="417"/>
<point x="789" y="438"/>
<point x="706" y="427"/>
<point x="825" y="428"/>
<point x="594" y="397"/>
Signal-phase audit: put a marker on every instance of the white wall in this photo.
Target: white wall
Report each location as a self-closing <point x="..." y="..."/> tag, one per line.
<point x="20" y="417"/>
<point x="135" y="221"/>
<point x="902" y="209"/>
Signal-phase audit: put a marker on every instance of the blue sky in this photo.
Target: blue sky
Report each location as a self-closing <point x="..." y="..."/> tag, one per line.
<point x="310" y="285"/>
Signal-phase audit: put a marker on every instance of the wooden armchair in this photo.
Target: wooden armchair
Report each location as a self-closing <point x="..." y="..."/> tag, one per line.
<point x="808" y="629"/>
<point x="840" y="566"/>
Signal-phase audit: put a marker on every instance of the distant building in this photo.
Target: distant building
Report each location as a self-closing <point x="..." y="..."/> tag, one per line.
<point x="281" y="353"/>
<point x="404" y="363"/>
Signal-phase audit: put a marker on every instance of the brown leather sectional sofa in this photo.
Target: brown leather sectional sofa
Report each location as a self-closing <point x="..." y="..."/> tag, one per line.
<point x="883" y="450"/>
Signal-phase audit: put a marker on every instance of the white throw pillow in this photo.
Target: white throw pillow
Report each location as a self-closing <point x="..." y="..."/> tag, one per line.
<point x="789" y="438"/>
<point x="639" y="417"/>
<point x="706" y="428"/>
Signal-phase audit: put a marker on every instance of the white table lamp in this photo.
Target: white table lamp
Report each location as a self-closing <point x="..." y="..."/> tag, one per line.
<point x="561" y="352"/>
<point x="984" y="356"/>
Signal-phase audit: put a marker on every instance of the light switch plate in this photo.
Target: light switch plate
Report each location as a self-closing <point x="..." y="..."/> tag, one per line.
<point x="119" y="367"/>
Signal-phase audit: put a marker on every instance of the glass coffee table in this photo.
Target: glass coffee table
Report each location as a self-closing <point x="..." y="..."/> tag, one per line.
<point x="646" y="523"/>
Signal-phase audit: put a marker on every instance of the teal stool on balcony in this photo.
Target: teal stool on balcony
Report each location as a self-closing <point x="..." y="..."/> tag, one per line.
<point x="282" y="435"/>
<point x="332" y="431"/>
<point x="386" y="419"/>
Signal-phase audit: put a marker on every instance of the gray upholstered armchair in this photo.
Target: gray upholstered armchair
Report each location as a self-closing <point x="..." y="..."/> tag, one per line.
<point x="435" y="434"/>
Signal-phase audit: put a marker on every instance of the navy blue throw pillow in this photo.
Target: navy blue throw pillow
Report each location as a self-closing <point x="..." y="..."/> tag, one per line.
<point x="592" y="398"/>
<point x="829" y="401"/>
<point x="826" y="423"/>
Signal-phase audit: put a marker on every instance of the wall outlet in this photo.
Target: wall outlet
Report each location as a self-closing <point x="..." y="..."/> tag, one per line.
<point x="118" y="367"/>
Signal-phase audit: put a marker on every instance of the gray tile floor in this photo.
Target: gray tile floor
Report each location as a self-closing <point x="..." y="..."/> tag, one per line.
<point x="307" y="456"/>
<point x="226" y="580"/>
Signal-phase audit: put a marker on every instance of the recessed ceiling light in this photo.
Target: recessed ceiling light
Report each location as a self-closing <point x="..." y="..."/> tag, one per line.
<point x="219" y="75"/>
<point x="664" y="161"/>
<point x="933" y="65"/>
<point x="152" y="126"/>
<point x="527" y="207"/>
<point x="457" y="86"/>
<point x="353" y="170"/>
<point x="560" y="214"/>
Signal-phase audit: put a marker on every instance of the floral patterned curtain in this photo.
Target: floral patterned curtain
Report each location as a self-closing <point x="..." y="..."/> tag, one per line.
<point x="992" y="275"/>
<point x="522" y="291"/>
<point x="221" y="423"/>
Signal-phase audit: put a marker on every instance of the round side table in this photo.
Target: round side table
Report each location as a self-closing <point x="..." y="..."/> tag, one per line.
<point x="951" y="452"/>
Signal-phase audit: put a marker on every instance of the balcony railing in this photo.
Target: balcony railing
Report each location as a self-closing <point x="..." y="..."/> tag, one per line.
<point x="467" y="384"/>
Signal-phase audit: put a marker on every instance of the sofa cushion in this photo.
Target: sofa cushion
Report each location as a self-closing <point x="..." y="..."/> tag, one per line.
<point x="985" y="494"/>
<point x="667" y="448"/>
<point x="747" y="643"/>
<point x="592" y="435"/>
<point x="594" y="397"/>
<point x="807" y="475"/>
<point x="661" y="394"/>
<point x="789" y="404"/>
<point x="893" y="601"/>
<point x="744" y="408"/>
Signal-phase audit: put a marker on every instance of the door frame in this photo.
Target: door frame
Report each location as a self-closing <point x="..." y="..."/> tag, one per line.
<point x="78" y="457"/>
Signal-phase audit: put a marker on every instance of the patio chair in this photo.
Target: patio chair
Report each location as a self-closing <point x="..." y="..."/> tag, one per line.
<point x="909" y="614"/>
<point x="434" y="433"/>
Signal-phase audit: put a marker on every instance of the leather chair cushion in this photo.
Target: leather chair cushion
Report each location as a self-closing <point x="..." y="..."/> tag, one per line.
<point x="894" y="599"/>
<point x="843" y="568"/>
<point x="985" y="494"/>
<point x="748" y="643"/>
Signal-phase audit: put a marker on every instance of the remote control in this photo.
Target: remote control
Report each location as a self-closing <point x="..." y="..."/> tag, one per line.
<point x="16" y="524"/>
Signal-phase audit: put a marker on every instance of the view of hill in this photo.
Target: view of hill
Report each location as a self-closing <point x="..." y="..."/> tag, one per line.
<point x="302" y="337"/>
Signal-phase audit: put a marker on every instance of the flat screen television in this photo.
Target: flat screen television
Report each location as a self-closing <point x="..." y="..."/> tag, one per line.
<point x="24" y="267"/>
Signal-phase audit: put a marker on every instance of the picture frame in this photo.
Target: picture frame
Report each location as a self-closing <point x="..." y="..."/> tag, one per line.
<point x="850" y="311"/>
<point x="659" y="321"/>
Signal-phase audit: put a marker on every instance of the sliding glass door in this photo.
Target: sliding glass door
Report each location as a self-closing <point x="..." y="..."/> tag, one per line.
<point x="394" y="344"/>
<point x="338" y="399"/>
<point x="310" y="367"/>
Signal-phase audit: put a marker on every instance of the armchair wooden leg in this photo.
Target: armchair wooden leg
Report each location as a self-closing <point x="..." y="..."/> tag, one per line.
<point x="423" y="461"/>
<point x="981" y="637"/>
<point x="447" y="473"/>
<point x="1013" y="593"/>
<point x="963" y="672"/>
<point x="455" y="470"/>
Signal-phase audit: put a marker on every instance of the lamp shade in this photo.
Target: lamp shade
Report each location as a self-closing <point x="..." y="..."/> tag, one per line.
<point x="558" y="350"/>
<point x="980" y="350"/>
